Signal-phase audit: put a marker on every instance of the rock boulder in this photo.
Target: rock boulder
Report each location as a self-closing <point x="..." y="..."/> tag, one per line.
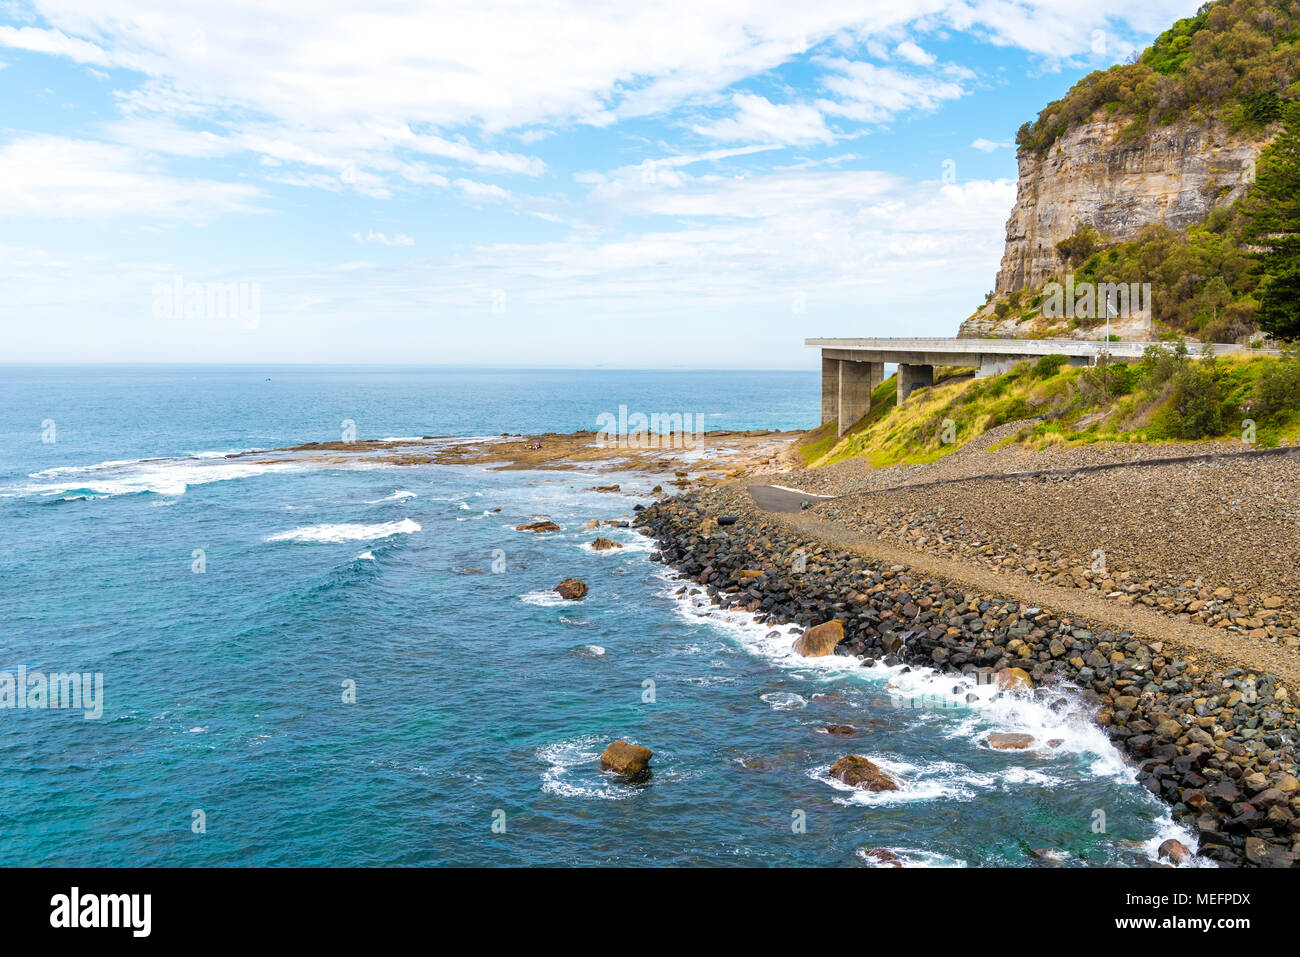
<point x="624" y="758"/>
<point x="819" y="640"/>
<point x="856" y="771"/>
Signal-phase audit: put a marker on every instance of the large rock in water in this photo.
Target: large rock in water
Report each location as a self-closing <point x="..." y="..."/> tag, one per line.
<point x="604" y="544"/>
<point x="1010" y="742"/>
<point x="624" y="758"/>
<point x="1013" y="679"/>
<point x="882" y="857"/>
<point x="856" y="771"/>
<point x="1176" y="851"/>
<point x="819" y="640"/>
<point x="571" y="588"/>
<point x="537" y="527"/>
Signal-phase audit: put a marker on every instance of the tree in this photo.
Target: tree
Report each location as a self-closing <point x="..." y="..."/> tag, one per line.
<point x="1272" y="211"/>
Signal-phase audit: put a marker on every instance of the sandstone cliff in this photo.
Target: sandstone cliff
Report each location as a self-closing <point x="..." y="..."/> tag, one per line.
<point x="1173" y="175"/>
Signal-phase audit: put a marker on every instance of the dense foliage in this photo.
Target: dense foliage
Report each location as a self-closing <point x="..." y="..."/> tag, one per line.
<point x="1272" y="225"/>
<point x="1203" y="279"/>
<point x="1236" y="60"/>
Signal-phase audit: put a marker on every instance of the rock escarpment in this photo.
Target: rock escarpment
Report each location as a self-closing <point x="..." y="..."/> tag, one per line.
<point x="1172" y="175"/>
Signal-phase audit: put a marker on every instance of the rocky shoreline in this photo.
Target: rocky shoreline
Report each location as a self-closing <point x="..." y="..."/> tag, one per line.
<point x="1219" y="746"/>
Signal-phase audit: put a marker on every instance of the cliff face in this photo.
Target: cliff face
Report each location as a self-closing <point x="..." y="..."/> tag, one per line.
<point x="1172" y="175"/>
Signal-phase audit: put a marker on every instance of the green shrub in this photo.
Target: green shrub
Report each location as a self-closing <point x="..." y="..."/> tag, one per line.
<point x="1048" y="366"/>
<point x="1198" y="410"/>
<point x="1278" y="391"/>
<point x="1159" y="364"/>
<point x="1110" y="379"/>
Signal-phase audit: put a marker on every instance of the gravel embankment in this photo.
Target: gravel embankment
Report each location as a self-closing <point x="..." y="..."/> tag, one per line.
<point x="1216" y="543"/>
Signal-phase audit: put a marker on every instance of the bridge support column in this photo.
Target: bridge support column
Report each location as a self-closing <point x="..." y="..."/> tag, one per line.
<point x="996" y="365"/>
<point x="830" y="389"/>
<point x="913" y="377"/>
<point x="857" y="379"/>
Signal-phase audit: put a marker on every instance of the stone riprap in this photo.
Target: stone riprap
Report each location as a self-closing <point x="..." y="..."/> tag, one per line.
<point x="1219" y="745"/>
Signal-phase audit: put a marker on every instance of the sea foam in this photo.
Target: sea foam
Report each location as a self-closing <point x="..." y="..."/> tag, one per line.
<point x="346" y="532"/>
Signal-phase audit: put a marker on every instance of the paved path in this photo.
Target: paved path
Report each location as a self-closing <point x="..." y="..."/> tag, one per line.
<point x="773" y="498"/>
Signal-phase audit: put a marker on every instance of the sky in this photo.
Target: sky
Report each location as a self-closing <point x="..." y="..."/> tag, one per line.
<point x="536" y="183"/>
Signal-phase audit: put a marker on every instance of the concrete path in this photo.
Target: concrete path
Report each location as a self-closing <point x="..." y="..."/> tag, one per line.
<point x="773" y="498"/>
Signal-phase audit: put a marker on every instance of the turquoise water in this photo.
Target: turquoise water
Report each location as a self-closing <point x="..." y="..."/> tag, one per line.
<point x="480" y="699"/>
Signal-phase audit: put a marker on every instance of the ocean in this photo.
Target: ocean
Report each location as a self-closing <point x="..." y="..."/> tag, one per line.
<point x="325" y="665"/>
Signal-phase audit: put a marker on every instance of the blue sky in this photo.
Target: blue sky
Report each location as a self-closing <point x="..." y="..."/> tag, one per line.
<point x="525" y="184"/>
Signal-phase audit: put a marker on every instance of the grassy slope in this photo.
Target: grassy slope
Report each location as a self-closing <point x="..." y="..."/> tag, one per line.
<point x="1079" y="412"/>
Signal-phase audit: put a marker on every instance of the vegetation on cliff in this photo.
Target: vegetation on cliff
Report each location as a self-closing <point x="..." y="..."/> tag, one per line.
<point x="1167" y="396"/>
<point x="1272" y="214"/>
<point x="1217" y="281"/>
<point x="1235" y="60"/>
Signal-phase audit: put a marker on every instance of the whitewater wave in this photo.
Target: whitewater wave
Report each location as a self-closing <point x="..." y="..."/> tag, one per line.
<point x="1060" y="724"/>
<point x="346" y="532"/>
<point x="784" y="701"/>
<point x="545" y="599"/>
<point x="398" y="496"/>
<point x="912" y="857"/>
<point x="574" y="771"/>
<point x="160" y="476"/>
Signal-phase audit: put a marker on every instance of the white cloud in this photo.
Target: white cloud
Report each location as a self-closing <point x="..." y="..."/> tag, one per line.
<point x="759" y="120"/>
<point x="869" y="93"/>
<point x="449" y="81"/>
<point x="372" y="237"/>
<point x="912" y="53"/>
<point x="988" y="146"/>
<point x="53" y="176"/>
<point x="54" y="42"/>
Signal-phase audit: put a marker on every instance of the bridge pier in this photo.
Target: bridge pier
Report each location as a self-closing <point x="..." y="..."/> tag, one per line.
<point x="913" y="376"/>
<point x="856" y="381"/>
<point x="991" y="365"/>
<point x="830" y="389"/>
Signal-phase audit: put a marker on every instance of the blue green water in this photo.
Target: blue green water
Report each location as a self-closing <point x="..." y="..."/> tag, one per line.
<point x="480" y="698"/>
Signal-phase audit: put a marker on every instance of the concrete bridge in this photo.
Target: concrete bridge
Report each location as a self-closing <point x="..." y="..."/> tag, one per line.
<point x="852" y="368"/>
